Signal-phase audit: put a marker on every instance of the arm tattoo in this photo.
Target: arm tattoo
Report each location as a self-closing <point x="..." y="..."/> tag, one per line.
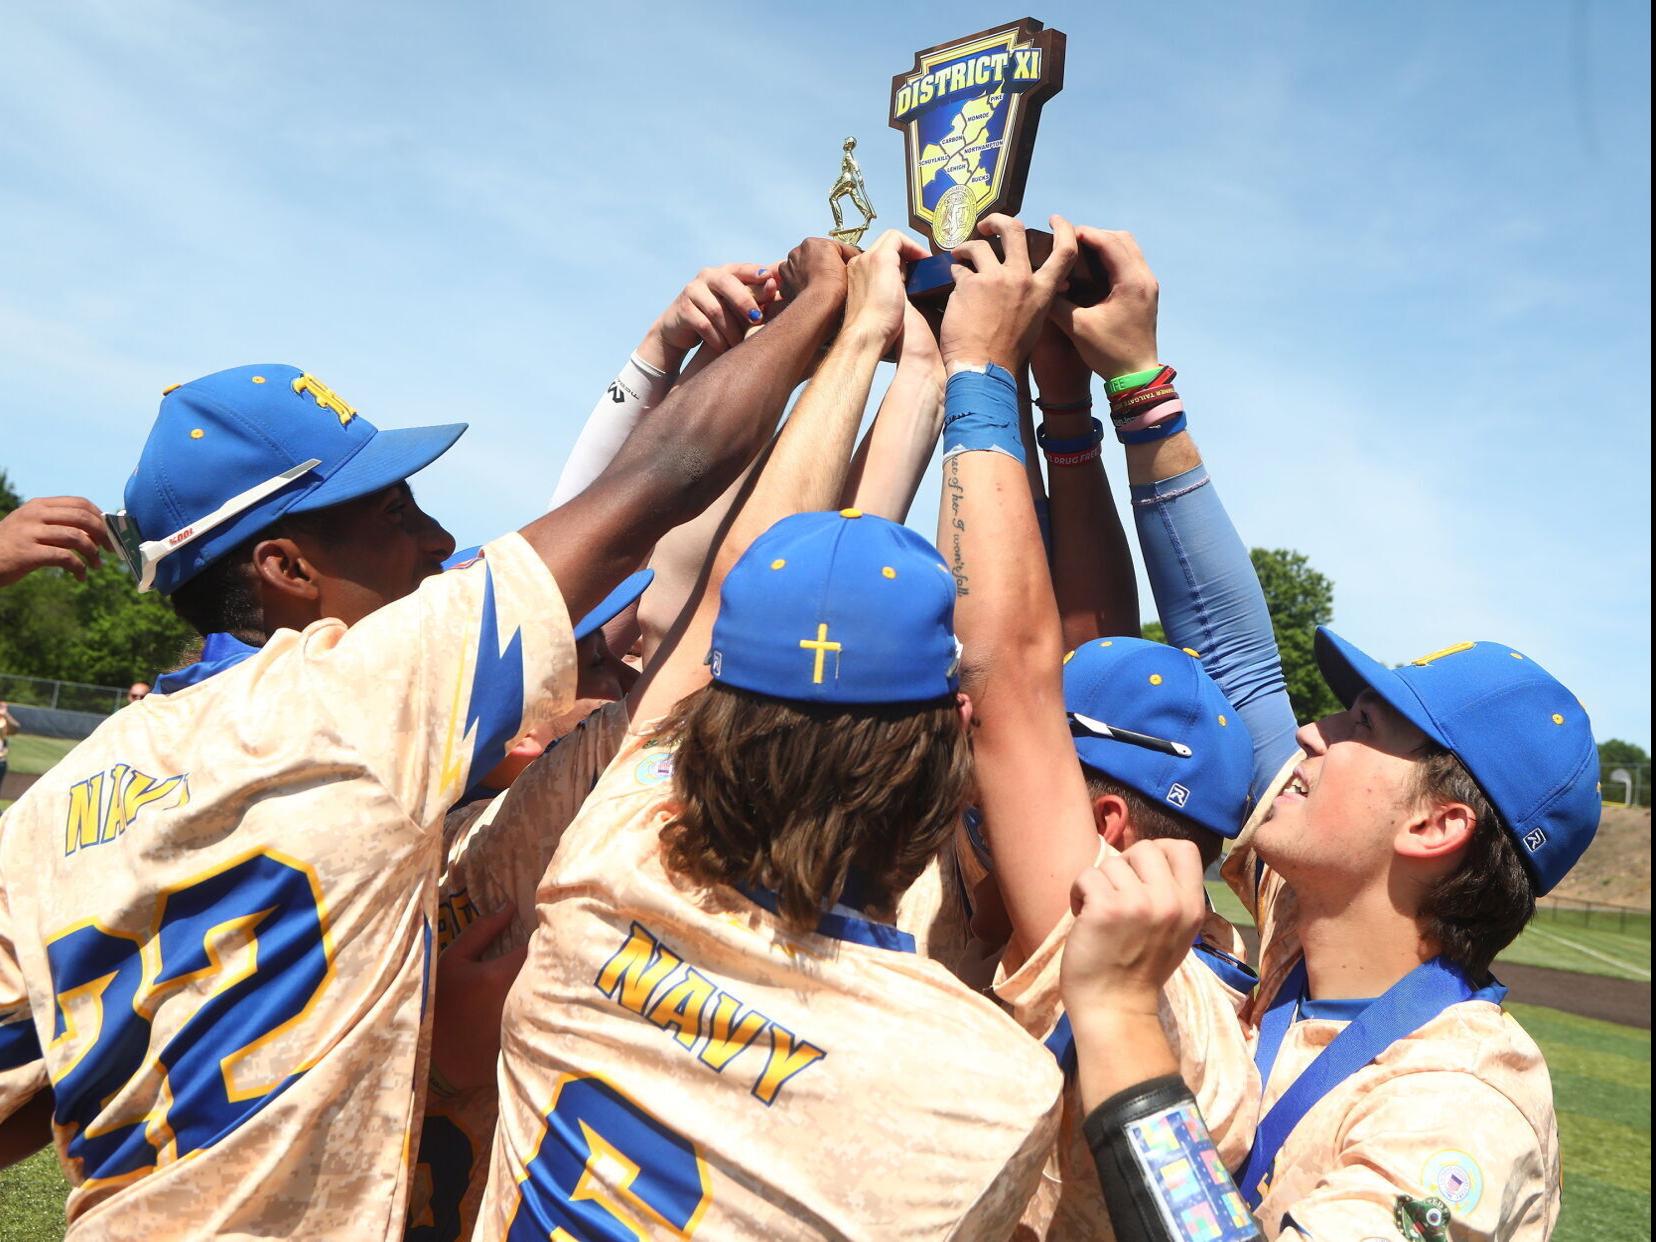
<point x="957" y="524"/>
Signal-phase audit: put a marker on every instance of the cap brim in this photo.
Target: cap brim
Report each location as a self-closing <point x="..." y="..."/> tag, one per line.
<point x="615" y="602"/>
<point x="1349" y="672"/>
<point x="390" y="457"/>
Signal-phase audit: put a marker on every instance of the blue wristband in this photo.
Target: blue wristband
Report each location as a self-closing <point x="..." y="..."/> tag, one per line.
<point x="1160" y="431"/>
<point x="1072" y="444"/>
<point x="980" y="412"/>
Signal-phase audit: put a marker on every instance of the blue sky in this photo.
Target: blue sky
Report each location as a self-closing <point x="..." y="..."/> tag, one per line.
<point x="1404" y="251"/>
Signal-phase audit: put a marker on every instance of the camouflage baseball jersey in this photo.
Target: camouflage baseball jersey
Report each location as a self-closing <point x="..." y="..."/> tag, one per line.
<point x="1199" y="1013"/>
<point x="677" y="1064"/>
<point x="221" y="910"/>
<point x="496" y="851"/>
<point x="1450" y="1129"/>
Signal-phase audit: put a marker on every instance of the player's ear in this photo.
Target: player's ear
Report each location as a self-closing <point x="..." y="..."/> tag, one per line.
<point x="283" y="570"/>
<point x="1436" y="831"/>
<point x="1110" y="816"/>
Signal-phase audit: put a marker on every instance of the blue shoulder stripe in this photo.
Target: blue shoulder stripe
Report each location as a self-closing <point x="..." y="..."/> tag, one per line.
<point x="1233" y="972"/>
<point x="19" y="1044"/>
<point x="1061" y="1044"/>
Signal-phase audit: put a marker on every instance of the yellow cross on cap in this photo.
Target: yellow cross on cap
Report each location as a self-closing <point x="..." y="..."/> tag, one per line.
<point x="822" y="647"/>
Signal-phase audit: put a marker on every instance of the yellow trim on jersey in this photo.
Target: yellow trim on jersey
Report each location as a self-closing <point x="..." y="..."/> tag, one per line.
<point x="594" y="1195"/>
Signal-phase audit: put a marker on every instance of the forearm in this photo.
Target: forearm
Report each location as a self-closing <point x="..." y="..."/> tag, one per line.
<point x="806" y="470"/>
<point x="894" y="454"/>
<point x="1209" y="599"/>
<point x="1033" y="798"/>
<point x="637" y="388"/>
<point x="676" y="462"/>
<point x="1117" y="1049"/>
<point x="1092" y="563"/>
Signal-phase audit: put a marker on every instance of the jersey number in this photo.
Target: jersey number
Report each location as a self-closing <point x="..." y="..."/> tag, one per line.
<point x="607" y="1170"/>
<point x="117" y="981"/>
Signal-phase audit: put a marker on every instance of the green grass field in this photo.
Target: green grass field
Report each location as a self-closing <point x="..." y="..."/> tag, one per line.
<point x="1601" y="1085"/>
<point x="1562" y="945"/>
<point x="34" y="755"/>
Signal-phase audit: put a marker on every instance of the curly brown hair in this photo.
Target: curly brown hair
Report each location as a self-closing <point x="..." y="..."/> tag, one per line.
<point x="794" y="797"/>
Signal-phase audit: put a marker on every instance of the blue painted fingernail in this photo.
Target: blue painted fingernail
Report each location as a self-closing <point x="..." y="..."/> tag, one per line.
<point x="764" y="271"/>
<point x="754" y="315"/>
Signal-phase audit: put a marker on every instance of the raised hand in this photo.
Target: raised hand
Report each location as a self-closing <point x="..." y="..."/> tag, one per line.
<point x="1118" y="335"/>
<point x="876" y="296"/>
<point x="716" y="309"/>
<point x="816" y="266"/>
<point x="1061" y="374"/>
<point x="61" y="531"/>
<point x="1136" y="916"/>
<point x="997" y="306"/>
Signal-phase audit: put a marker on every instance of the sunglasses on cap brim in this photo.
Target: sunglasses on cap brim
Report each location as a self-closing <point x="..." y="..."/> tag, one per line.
<point x="1086" y="726"/>
<point x="141" y="556"/>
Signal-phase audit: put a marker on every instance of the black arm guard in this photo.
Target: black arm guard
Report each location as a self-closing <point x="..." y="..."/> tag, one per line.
<point x="1162" y="1179"/>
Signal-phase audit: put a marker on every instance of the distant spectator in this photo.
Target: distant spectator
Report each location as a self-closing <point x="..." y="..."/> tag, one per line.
<point x="8" y="726"/>
<point x="65" y="531"/>
<point x="137" y="690"/>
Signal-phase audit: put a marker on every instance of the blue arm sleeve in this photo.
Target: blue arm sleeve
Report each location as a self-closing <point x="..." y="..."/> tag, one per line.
<point x="1209" y="600"/>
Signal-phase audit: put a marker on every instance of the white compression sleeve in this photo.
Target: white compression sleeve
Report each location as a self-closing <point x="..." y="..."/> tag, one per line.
<point x="630" y="394"/>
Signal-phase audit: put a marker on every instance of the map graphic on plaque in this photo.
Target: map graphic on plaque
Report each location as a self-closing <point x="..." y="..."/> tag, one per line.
<point x="968" y="111"/>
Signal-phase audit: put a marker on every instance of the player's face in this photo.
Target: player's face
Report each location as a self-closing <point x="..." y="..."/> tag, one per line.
<point x="379" y="549"/>
<point x="1332" y="829"/>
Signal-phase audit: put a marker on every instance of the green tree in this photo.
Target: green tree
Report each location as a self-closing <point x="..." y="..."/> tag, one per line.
<point x="9" y="499"/>
<point x="100" y="631"/>
<point x="1299" y="599"/>
<point x="1616" y="753"/>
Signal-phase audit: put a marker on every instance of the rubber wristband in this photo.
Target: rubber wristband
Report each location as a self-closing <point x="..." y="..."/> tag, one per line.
<point x="1134" y="379"/>
<point x="1063" y="407"/>
<point x="980" y="413"/>
<point x="1158" y="431"/>
<point x="1138" y="414"/>
<point x="1069" y="444"/>
<point x="1073" y="459"/>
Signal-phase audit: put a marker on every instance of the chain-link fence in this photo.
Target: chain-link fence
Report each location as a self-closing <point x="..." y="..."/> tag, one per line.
<point x="69" y="696"/>
<point x="1625" y="784"/>
<point x="1603" y="915"/>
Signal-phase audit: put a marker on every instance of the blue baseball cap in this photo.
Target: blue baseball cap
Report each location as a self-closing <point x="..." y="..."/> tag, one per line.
<point x="1149" y="716"/>
<point x="631" y="588"/>
<point x="233" y="451"/>
<point x="838" y="608"/>
<point x="1524" y="738"/>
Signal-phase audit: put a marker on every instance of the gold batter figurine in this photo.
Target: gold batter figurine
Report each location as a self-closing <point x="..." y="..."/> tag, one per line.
<point x="850" y="185"/>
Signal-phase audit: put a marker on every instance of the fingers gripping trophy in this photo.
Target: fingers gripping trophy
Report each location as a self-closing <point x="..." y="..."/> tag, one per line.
<point x="850" y="185"/>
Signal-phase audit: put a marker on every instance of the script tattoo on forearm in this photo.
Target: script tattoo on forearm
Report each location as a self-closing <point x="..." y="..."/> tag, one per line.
<point x="957" y="524"/>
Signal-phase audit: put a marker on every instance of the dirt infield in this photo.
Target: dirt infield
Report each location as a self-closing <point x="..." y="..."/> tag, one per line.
<point x="1591" y="996"/>
<point x="15" y="783"/>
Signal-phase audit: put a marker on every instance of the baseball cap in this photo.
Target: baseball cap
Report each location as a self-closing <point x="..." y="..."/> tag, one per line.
<point x="632" y="586"/>
<point x="838" y="608"/>
<point x="1149" y="716"/>
<point x="233" y="451"/>
<point x="1525" y="739"/>
<point x="617" y="601"/>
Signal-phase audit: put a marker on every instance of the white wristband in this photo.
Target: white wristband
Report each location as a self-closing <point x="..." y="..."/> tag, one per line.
<point x="636" y="389"/>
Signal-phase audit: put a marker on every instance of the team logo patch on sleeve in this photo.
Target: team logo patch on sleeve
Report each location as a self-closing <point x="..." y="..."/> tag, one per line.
<point x="1454" y="1177"/>
<point x="654" y="769"/>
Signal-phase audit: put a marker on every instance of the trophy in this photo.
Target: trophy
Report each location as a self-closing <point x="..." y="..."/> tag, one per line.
<point x="850" y="185"/>
<point x="968" y="110"/>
